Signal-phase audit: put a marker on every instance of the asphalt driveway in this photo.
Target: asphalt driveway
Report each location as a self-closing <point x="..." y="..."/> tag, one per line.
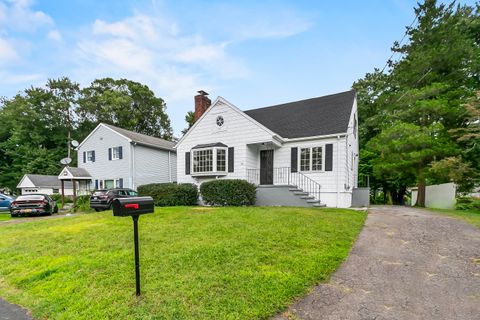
<point x="407" y="264"/>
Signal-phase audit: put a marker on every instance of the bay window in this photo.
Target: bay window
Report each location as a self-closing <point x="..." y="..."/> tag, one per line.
<point x="209" y="160"/>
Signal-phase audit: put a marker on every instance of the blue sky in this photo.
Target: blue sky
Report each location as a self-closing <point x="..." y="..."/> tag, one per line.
<point x="253" y="53"/>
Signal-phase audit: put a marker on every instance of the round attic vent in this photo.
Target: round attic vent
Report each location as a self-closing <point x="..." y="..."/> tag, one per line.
<point x="220" y="121"/>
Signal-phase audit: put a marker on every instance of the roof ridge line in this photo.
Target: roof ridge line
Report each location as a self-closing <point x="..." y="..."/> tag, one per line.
<point x="303" y="100"/>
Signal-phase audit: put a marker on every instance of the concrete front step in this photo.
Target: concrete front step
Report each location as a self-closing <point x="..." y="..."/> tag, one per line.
<point x="307" y="197"/>
<point x="300" y="193"/>
<point x="319" y="205"/>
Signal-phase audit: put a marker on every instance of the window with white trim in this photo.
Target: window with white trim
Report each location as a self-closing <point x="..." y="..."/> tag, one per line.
<point x="311" y="159"/>
<point x="209" y="160"/>
<point x="90" y="155"/>
<point x="305" y="159"/>
<point x="115" y="153"/>
<point x="317" y="158"/>
<point x="221" y="159"/>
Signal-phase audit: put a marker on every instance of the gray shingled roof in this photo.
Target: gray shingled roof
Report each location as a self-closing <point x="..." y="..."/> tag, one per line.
<point x="143" y="139"/>
<point x="306" y="118"/>
<point x="40" y="180"/>
<point x="79" y="172"/>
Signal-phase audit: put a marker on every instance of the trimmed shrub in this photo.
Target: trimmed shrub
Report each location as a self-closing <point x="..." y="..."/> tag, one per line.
<point x="170" y="194"/>
<point x="467" y="203"/>
<point x="228" y="192"/>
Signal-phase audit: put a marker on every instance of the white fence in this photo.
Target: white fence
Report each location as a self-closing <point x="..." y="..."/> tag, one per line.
<point x="439" y="196"/>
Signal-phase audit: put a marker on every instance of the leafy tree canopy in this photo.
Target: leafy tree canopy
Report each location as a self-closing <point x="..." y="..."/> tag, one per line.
<point x="422" y="110"/>
<point x="36" y="123"/>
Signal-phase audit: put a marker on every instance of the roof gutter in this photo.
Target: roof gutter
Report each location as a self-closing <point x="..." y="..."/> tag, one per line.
<point x="335" y="135"/>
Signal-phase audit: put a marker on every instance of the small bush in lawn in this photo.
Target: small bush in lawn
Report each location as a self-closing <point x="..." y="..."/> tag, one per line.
<point x="58" y="198"/>
<point x="170" y="194"/>
<point x="82" y="204"/>
<point x="228" y="192"/>
<point x="467" y="203"/>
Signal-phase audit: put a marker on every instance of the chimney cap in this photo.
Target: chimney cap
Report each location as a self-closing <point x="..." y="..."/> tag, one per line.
<point x="202" y="93"/>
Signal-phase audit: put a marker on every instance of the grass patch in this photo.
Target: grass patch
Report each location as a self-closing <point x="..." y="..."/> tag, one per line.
<point x="5" y="216"/>
<point x="470" y="216"/>
<point x="220" y="263"/>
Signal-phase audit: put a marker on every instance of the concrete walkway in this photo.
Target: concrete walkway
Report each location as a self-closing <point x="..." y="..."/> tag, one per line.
<point x="407" y="264"/>
<point x="12" y="312"/>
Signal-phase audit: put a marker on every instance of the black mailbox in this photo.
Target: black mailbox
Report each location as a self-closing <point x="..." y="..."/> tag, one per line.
<point x="134" y="207"/>
<point x="124" y="207"/>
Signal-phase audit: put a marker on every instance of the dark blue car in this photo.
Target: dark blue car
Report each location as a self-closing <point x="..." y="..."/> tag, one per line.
<point x="5" y="202"/>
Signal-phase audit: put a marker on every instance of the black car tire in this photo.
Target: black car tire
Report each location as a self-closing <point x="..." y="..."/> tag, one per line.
<point x="55" y="210"/>
<point x="98" y="209"/>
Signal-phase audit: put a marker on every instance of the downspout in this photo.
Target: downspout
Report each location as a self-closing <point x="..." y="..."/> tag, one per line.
<point x="169" y="167"/>
<point x="338" y="170"/>
<point x="132" y="173"/>
<point x="347" y="171"/>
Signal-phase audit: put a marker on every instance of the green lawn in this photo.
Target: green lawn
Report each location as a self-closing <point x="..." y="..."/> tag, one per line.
<point x="196" y="263"/>
<point x="471" y="216"/>
<point x="5" y="216"/>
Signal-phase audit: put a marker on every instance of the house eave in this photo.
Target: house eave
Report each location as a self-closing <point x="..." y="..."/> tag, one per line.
<point x="333" y="135"/>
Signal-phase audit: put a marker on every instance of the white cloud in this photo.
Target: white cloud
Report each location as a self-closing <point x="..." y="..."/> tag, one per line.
<point x="153" y="51"/>
<point x="7" y="51"/>
<point x="10" y="78"/>
<point x="18" y="15"/>
<point x="55" y="35"/>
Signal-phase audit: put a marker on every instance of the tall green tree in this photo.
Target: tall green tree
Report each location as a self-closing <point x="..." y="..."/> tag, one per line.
<point x="34" y="130"/>
<point x="124" y="103"/>
<point x="427" y="87"/>
<point x="38" y="124"/>
<point x="190" y="120"/>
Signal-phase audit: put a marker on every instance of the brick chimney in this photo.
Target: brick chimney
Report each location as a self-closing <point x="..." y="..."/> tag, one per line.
<point x="202" y="102"/>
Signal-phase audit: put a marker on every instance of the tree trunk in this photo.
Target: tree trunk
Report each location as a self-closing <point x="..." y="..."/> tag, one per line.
<point x="421" y="192"/>
<point x="401" y="196"/>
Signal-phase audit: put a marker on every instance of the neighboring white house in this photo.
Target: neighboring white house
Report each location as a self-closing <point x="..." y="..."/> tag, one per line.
<point x="37" y="183"/>
<point x="115" y="157"/>
<point x="309" y="148"/>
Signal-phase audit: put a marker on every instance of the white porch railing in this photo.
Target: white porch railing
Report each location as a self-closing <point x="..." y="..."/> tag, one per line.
<point x="285" y="176"/>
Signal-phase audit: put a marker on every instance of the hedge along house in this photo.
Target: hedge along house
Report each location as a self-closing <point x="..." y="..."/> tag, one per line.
<point x="119" y="158"/>
<point x="302" y="153"/>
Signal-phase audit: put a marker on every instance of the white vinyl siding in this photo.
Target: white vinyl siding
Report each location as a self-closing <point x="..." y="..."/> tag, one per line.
<point x="152" y="166"/>
<point x="237" y="131"/>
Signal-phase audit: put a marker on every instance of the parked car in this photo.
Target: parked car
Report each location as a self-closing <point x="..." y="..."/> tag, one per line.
<point x="33" y="204"/>
<point x="102" y="199"/>
<point x="5" y="202"/>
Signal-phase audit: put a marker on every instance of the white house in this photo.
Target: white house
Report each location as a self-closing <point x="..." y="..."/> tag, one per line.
<point x="115" y="157"/>
<point x="37" y="183"/>
<point x="298" y="153"/>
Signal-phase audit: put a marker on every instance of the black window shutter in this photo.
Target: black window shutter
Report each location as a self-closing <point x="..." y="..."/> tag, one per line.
<point x="231" y="159"/>
<point x="120" y="152"/>
<point x="120" y="183"/>
<point x="84" y="157"/>
<point x="96" y="184"/>
<point x="187" y="162"/>
<point x="294" y="159"/>
<point x="93" y="156"/>
<point x="109" y="153"/>
<point x="329" y="157"/>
